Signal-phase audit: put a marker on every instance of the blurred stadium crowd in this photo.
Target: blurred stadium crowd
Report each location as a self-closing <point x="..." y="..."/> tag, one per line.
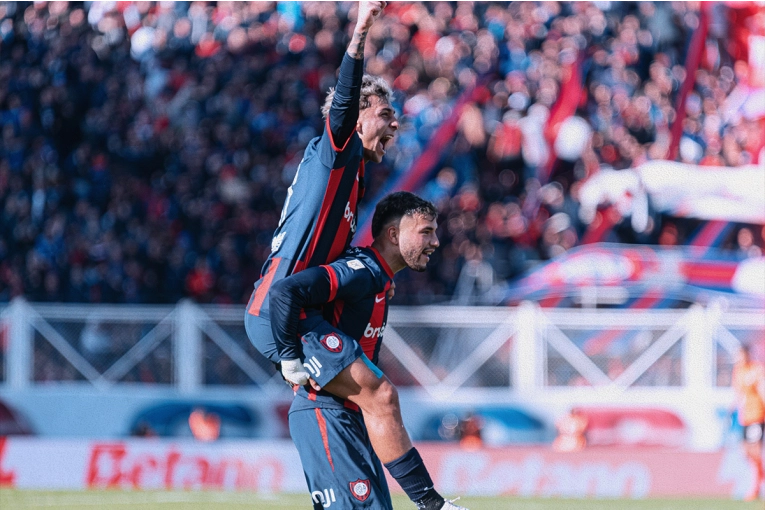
<point x="147" y="147"/>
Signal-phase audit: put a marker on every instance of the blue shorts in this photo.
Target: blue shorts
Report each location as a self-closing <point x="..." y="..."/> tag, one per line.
<point x="327" y="351"/>
<point x="259" y="332"/>
<point x="341" y="469"/>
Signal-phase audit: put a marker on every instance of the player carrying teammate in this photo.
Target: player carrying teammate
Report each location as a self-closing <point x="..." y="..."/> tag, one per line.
<point x="319" y="218"/>
<point x="749" y="386"/>
<point x="339" y="312"/>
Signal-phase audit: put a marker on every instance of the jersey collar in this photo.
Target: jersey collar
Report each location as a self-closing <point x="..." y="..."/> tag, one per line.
<point x="382" y="262"/>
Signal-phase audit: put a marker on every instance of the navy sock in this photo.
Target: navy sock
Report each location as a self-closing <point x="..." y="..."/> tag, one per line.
<point x="411" y="474"/>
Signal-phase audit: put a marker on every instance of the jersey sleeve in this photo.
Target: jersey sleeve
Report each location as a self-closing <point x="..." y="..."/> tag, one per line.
<point x="344" y="111"/>
<point x="310" y="287"/>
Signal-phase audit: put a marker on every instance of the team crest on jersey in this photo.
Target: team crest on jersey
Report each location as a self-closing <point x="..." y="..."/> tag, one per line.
<point x="360" y="489"/>
<point x="332" y="342"/>
<point x="355" y="264"/>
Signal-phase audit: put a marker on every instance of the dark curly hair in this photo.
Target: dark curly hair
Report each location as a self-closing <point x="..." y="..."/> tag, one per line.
<point x="399" y="204"/>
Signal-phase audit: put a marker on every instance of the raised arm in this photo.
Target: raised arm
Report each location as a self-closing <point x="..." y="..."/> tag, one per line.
<point x="344" y="111"/>
<point x="368" y="13"/>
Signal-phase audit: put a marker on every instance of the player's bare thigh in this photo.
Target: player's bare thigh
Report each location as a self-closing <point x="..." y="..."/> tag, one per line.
<point x="359" y="384"/>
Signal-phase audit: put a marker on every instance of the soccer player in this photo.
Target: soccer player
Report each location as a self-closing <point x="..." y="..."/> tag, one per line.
<point x="333" y="317"/>
<point x="749" y="386"/>
<point x="318" y="218"/>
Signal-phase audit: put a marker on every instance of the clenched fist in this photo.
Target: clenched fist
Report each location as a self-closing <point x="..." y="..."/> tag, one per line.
<point x="369" y="12"/>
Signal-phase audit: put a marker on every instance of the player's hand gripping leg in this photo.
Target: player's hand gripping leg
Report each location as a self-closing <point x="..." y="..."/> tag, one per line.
<point x="294" y="372"/>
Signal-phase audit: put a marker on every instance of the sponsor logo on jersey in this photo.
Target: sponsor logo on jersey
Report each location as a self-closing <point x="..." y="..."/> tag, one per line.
<point x="276" y="242"/>
<point x="370" y="332"/>
<point x="314" y="366"/>
<point x="355" y="264"/>
<point x="350" y="217"/>
<point x="326" y="498"/>
<point x="332" y="342"/>
<point x="360" y="489"/>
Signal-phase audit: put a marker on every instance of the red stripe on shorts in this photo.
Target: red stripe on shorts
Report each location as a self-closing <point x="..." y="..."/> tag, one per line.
<point x="324" y="437"/>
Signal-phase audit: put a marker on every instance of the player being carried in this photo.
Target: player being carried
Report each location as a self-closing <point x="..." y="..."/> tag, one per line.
<point x="330" y="320"/>
<point x="318" y="220"/>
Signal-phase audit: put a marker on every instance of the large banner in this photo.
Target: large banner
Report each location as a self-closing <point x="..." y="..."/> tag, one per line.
<point x="678" y="271"/>
<point x="274" y="467"/>
<point x="680" y="189"/>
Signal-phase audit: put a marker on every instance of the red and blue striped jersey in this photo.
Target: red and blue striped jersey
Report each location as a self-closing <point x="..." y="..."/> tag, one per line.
<point x="318" y="219"/>
<point x="350" y="294"/>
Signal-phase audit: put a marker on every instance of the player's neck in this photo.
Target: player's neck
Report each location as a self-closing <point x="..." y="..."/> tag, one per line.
<point x="391" y="254"/>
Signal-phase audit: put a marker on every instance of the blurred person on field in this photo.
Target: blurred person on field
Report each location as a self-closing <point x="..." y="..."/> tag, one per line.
<point x="470" y="431"/>
<point x="571" y="432"/>
<point x="204" y="426"/>
<point x="749" y="386"/>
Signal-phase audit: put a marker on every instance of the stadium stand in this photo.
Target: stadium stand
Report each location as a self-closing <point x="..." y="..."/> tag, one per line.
<point x="146" y="148"/>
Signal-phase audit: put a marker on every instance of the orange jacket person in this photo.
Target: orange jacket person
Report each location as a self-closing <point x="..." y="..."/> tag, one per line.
<point x="749" y="384"/>
<point x="571" y="432"/>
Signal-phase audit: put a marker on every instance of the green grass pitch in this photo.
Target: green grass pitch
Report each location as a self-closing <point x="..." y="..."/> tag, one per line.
<point x="159" y="500"/>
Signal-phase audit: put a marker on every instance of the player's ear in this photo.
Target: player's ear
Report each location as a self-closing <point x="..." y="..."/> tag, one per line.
<point x="392" y="232"/>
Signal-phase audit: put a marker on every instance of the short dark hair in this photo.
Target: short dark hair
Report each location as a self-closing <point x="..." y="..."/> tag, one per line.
<point x="397" y="205"/>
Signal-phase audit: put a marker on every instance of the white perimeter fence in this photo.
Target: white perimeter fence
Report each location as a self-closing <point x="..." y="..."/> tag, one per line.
<point x="553" y="357"/>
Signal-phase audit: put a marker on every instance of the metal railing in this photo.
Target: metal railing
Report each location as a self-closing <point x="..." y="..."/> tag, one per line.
<point x="440" y="349"/>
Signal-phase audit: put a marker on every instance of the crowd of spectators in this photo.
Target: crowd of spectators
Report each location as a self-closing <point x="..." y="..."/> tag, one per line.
<point x="146" y="147"/>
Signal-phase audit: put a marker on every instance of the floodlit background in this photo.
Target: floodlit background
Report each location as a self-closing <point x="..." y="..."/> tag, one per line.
<point x="599" y="172"/>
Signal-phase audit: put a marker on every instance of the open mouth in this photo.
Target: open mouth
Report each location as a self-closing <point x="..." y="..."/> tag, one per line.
<point x="384" y="141"/>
